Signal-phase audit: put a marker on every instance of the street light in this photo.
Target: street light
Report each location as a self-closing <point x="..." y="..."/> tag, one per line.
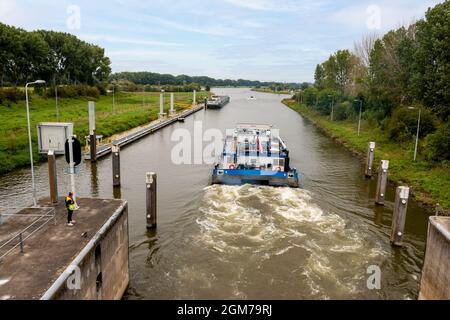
<point x="360" y="112"/>
<point x="113" y="100"/>
<point x="33" y="185"/>
<point x="56" y="96"/>
<point x="332" y="106"/>
<point x="418" y="131"/>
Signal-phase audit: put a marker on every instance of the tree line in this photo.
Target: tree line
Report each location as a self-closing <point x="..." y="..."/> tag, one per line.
<point x="156" y="79"/>
<point x="392" y="76"/>
<point x="58" y="58"/>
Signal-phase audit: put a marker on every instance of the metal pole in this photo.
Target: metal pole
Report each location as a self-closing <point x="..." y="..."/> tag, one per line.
<point x="360" y="111"/>
<point x="57" y="109"/>
<point x="72" y="167"/>
<point x="33" y="186"/>
<point x="417" y="136"/>
<point x="172" y="110"/>
<point x="21" y="243"/>
<point x="92" y="132"/>
<point x="114" y="102"/>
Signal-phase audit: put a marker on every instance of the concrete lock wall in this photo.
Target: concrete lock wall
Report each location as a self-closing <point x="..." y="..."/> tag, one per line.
<point x="104" y="269"/>
<point x="435" y="283"/>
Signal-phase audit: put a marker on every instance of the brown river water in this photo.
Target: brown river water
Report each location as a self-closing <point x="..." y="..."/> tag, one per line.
<point x="251" y="242"/>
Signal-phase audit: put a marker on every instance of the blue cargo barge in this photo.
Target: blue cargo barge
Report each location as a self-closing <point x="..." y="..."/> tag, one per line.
<point x="255" y="154"/>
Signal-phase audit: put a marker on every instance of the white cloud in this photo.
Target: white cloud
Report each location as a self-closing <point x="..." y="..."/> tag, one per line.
<point x="213" y="30"/>
<point x="112" y="39"/>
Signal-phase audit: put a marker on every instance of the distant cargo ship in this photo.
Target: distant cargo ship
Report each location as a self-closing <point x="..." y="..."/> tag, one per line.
<point x="217" y="102"/>
<point x="253" y="154"/>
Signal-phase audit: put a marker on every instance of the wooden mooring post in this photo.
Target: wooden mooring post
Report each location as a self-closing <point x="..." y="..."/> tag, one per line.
<point x="151" y="204"/>
<point x="370" y="159"/>
<point x="399" y="216"/>
<point x="115" y="149"/>
<point x="382" y="182"/>
<point x="52" y="177"/>
<point x="92" y="132"/>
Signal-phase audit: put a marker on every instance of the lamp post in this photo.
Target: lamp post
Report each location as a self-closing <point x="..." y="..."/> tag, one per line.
<point x="332" y="107"/>
<point x="360" y="112"/>
<point x="56" y="96"/>
<point x="33" y="185"/>
<point x="113" y="100"/>
<point x="418" y="131"/>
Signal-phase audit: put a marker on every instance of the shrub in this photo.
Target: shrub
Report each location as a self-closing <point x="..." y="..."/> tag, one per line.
<point x="438" y="144"/>
<point x="73" y="91"/>
<point x="403" y="123"/>
<point x="374" y="117"/>
<point x="11" y="94"/>
<point x="343" y="111"/>
<point x="324" y="100"/>
<point x="310" y="96"/>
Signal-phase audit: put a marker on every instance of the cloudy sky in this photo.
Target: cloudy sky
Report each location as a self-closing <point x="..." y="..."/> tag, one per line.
<point x="280" y="40"/>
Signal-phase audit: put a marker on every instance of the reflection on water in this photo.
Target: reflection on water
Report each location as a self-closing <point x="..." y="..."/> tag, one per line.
<point x="251" y="242"/>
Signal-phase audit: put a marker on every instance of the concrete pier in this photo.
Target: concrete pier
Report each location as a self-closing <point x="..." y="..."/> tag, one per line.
<point x="86" y="261"/>
<point x="435" y="283"/>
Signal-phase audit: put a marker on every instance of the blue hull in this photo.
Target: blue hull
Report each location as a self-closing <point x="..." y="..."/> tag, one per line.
<point x="271" y="178"/>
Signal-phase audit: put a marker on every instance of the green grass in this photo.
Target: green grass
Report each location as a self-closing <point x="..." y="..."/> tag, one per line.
<point x="430" y="182"/>
<point x="129" y="113"/>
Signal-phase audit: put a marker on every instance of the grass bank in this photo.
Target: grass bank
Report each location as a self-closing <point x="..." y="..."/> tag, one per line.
<point x="268" y="90"/>
<point x="131" y="110"/>
<point x="430" y="182"/>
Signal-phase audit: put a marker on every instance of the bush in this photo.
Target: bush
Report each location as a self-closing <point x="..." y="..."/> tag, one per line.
<point x="324" y="100"/>
<point x="11" y="94"/>
<point x="374" y="117"/>
<point x="438" y="144"/>
<point x="403" y="123"/>
<point x="343" y="111"/>
<point x="73" y="92"/>
<point x="310" y="95"/>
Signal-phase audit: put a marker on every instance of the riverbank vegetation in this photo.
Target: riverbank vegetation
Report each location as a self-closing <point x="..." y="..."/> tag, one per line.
<point x="156" y="79"/>
<point x="392" y="80"/>
<point x="131" y="110"/>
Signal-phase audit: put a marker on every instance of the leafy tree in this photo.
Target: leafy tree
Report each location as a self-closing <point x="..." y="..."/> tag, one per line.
<point x="432" y="60"/>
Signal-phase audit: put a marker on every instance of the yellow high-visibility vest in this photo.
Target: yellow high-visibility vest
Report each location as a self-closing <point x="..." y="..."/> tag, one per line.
<point x="72" y="205"/>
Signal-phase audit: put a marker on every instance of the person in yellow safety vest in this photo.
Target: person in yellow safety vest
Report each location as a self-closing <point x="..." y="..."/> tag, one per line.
<point x="70" y="205"/>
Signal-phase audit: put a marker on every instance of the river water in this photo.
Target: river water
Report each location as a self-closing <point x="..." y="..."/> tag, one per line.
<point x="252" y="242"/>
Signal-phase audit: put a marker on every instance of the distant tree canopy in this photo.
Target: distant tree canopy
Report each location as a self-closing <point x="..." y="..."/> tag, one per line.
<point x="52" y="56"/>
<point x="151" y="78"/>
<point x="404" y="70"/>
